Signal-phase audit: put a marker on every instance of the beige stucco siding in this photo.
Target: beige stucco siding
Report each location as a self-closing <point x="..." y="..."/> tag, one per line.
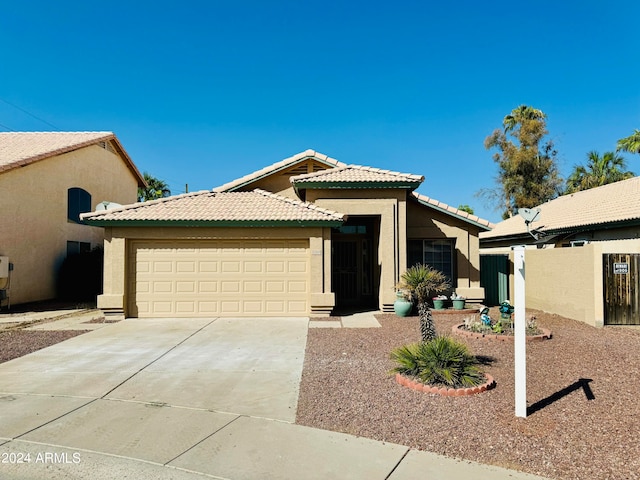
<point x="390" y="206"/>
<point x="569" y="281"/>
<point x="35" y="230"/>
<point x="427" y="223"/>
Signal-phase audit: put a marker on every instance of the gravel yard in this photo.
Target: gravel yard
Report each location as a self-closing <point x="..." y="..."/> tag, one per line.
<point x="16" y="343"/>
<point x="582" y="387"/>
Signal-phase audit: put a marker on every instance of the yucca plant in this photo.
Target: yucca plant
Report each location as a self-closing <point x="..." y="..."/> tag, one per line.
<point x="441" y="361"/>
<point x="423" y="281"/>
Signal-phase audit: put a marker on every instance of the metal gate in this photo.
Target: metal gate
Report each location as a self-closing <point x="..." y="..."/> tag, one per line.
<point x="494" y="278"/>
<point x="621" y="288"/>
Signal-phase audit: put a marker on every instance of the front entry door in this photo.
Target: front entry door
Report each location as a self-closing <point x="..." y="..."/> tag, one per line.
<point x="346" y="282"/>
<point x="352" y="265"/>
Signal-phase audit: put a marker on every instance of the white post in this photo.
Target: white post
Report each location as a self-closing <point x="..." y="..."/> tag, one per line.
<point x="520" y="346"/>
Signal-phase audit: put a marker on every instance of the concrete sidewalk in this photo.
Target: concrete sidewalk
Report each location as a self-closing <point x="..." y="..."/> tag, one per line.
<point x="186" y="399"/>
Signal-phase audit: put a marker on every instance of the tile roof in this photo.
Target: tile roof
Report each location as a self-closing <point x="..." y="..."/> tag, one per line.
<point x="18" y="149"/>
<point x="281" y="165"/>
<point x="612" y="203"/>
<point x="443" y="207"/>
<point x="354" y="174"/>
<point x="208" y="206"/>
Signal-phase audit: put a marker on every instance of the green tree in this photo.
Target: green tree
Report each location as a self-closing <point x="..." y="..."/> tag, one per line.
<point x="599" y="170"/>
<point x="155" y="189"/>
<point x="631" y="143"/>
<point x="527" y="170"/>
<point x="423" y="281"/>
<point x="466" y="208"/>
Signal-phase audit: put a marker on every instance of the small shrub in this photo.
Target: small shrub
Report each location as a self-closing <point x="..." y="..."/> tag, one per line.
<point x="441" y="361"/>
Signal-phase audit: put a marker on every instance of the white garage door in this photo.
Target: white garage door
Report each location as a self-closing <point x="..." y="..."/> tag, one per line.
<point x="195" y="278"/>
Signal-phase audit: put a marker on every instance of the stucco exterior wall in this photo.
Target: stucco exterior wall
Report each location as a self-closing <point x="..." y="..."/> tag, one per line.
<point x="390" y="206"/>
<point x="569" y="281"/>
<point x="566" y="281"/>
<point x="35" y="230"/>
<point x="427" y="223"/>
<point x="117" y="240"/>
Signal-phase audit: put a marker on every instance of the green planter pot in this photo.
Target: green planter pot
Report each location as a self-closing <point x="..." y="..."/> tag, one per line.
<point x="402" y="307"/>
<point x="458" y="304"/>
<point x="438" y="304"/>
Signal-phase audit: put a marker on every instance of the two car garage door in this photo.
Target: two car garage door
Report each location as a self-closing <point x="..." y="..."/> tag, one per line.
<point x="195" y="278"/>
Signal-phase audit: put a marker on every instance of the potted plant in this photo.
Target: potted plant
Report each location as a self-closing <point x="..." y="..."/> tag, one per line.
<point x="438" y="302"/>
<point x="458" y="301"/>
<point x="403" y="304"/>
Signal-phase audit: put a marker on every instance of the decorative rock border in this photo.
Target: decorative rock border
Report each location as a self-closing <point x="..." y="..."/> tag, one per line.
<point x="444" y="391"/>
<point x="459" y="330"/>
<point x="453" y="311"/>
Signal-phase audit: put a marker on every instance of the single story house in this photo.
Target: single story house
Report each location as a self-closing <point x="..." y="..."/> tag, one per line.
<point x="47" y="179"/>
<point x="302" y="237"/>
<point x="575" y="255"/>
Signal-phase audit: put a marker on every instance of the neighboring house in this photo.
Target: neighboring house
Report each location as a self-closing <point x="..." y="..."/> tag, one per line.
<point x="572" y="249"/>
<point x="304" y="236"/>
<point x="47" y="179"/>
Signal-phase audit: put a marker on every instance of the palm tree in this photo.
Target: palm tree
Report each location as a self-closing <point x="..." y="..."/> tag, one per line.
<point x="423" y="281"/>
<point x="600" y="170"/>
<point x="631" y="143"/>
<point x="155" y="189"/>
<point x="520" y="115"/>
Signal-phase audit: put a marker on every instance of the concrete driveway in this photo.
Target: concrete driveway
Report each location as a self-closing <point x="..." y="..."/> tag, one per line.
<point x="185" y="399"/>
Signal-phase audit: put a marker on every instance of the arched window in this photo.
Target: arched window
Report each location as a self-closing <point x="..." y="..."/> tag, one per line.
<point x="78" y="201"/>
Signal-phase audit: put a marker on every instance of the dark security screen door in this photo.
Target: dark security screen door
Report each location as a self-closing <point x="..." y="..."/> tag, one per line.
<point x="345" y="272"/>
<point x="352" y="263"/>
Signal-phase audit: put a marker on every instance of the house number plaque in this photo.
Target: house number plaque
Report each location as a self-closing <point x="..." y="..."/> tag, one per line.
<point x="620" y="268"/>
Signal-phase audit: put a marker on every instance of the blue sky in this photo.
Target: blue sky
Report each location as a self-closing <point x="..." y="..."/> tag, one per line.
<point x="202" y="92"/>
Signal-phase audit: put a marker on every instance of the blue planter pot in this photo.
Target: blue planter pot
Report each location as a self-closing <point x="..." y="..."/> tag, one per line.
<point x="438" y="304"/>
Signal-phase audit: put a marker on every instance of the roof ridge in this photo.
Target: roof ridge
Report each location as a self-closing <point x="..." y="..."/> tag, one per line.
<point x="40" y="132"/>
<point x="274" y="167"/>
<point x="137" y="205"/>
<point x="13" y="153"/>
<point x="305" y="176"/>
<point x="300" y="203"/>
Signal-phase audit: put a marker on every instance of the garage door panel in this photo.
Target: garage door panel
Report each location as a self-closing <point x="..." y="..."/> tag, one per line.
<point x="208" y="266"/>
<point x="253" y="267"/>
<point x="298" y="307"/>
<point x="162" y="267"/>
<point x="275" y="267"/>
<point x="275" y="286"/>
<point x="207" y="287"/>
<point x="215" y="277"/>
<point x="296" y="287"/>
<point x="186" y="267"/>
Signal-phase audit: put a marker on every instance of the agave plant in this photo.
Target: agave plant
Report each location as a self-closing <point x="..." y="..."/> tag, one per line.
<point x="423" y="281"/>
<point x="441" y="361"/>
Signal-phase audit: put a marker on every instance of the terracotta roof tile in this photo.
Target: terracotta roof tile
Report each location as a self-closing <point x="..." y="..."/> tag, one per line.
<point x="453" y="211"/>
<point x="355" y="174"/>
<point x="615" y="202"/>
<point x="281" y="165"/>
<point x="18" y="149"/>
<point x="257" y="205"/>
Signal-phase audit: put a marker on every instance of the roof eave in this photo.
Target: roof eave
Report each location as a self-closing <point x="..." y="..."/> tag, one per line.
<point x="407" y="185"/>
<point x="213" y="223"/>
<point x="452" y="214"/>
<point x="565" y="230"/>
